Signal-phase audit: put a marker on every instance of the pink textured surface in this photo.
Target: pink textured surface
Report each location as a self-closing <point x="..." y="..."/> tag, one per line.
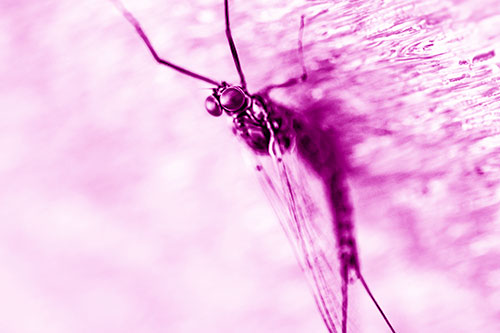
<point x="126" y="208"/>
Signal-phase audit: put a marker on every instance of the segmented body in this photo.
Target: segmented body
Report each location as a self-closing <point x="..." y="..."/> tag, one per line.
<point x="276" y="132"/>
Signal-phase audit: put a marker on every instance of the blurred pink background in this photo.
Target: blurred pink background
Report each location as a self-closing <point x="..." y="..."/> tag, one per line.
<point x="124" y="207"/>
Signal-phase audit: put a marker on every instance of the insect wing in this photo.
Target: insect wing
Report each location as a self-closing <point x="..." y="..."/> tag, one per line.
<point x="299" y="201"/>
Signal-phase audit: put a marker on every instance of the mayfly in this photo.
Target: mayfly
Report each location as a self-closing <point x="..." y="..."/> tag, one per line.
<point x="328" y="256"/>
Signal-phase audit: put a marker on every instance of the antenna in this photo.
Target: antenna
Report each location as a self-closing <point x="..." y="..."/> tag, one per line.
<point x="128" y="15"/>
<point x="232" y="46"/>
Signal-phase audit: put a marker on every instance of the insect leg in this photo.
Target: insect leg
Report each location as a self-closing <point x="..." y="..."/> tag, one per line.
<point x="363" y="282"/>
<point x="232" y="46"/>
<point x="301" y="50"/>
<point x="128" y="15"/>
<point x="293" y="81"/>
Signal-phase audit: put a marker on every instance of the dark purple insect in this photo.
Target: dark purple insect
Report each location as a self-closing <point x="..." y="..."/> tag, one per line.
<point x="270" y="129"/>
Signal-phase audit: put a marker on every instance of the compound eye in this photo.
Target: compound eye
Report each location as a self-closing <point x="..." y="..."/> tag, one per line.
<point x="233" y="99"/>
<point x="212" y="106"/>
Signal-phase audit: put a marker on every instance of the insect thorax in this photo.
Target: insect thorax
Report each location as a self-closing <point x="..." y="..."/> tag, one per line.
<point x="259" y="124"/>
<point x="255" y="119"/>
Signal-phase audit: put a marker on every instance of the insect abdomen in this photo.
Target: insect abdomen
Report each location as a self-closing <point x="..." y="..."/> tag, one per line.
<point x="316" y="149"/>
<point x="343" y="225"/>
